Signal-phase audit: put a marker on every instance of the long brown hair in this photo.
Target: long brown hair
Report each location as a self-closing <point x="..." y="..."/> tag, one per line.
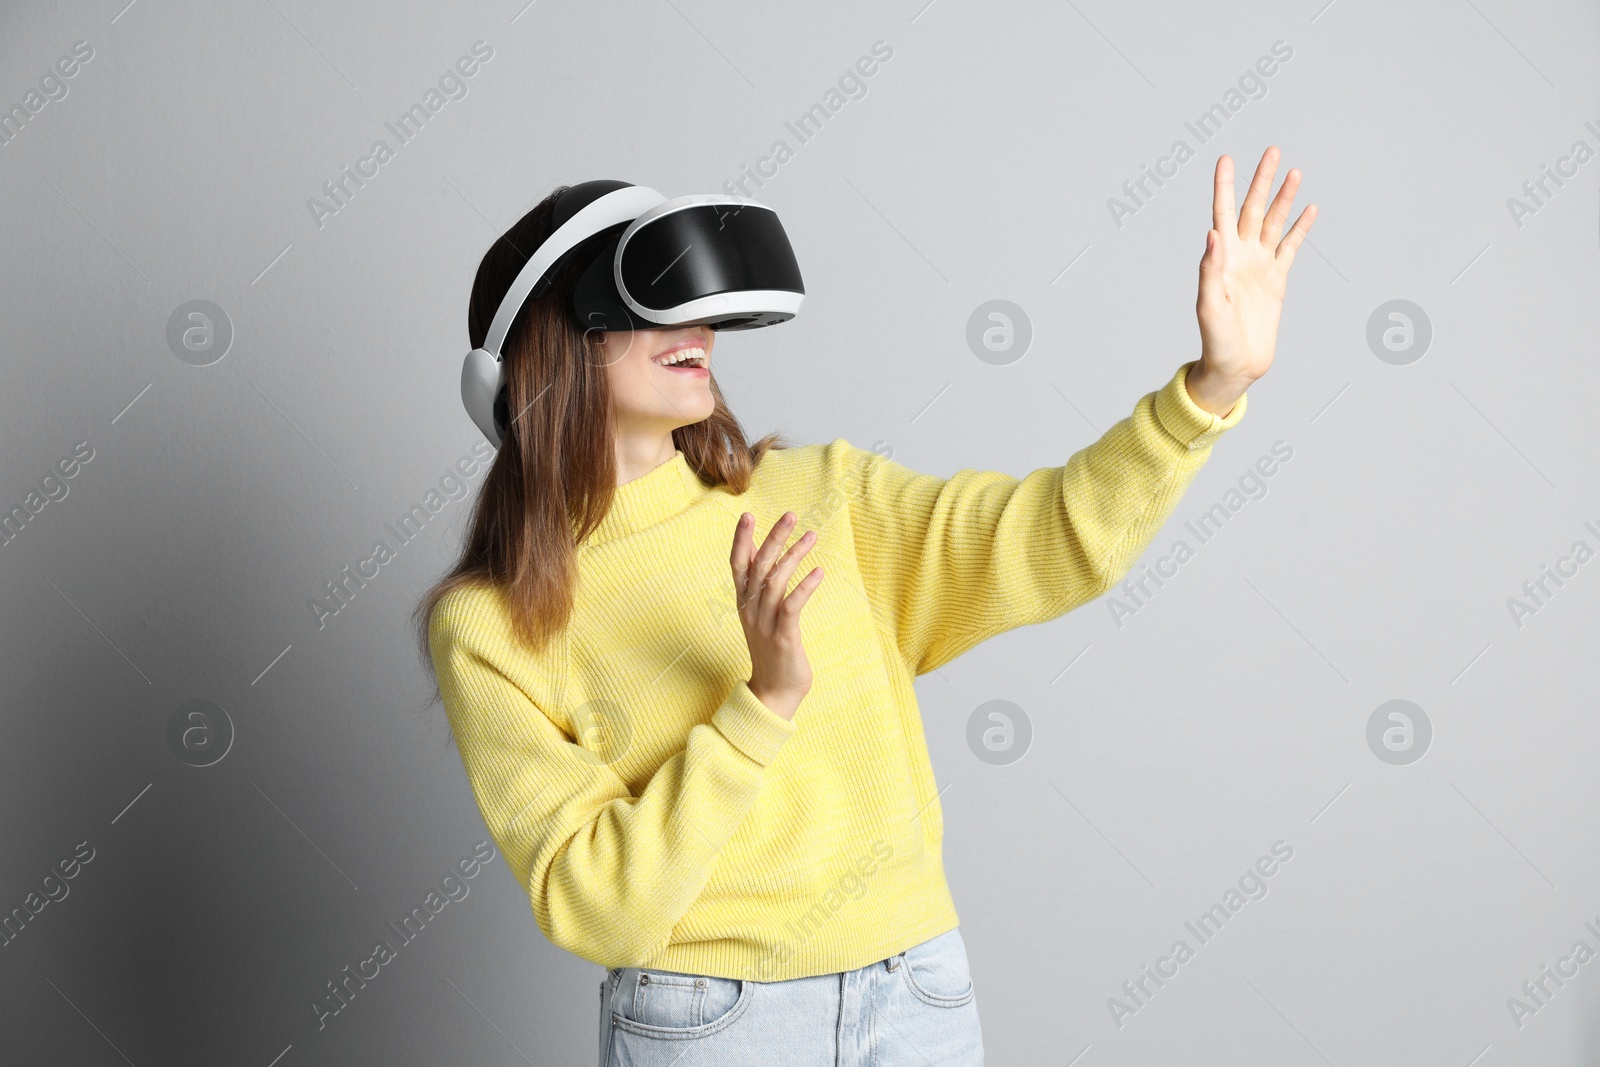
<point x="552" y="481"/>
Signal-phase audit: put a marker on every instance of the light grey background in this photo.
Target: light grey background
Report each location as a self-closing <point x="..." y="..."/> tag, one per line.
<point x="1167" y="753"/>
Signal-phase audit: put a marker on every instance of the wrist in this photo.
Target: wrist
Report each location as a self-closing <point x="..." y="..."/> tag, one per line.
<point x="1213" y="392"/>
<point x="783" y="705"/>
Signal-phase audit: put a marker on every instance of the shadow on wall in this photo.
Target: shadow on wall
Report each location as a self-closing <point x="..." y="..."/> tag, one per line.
<point x="234" y="847"/>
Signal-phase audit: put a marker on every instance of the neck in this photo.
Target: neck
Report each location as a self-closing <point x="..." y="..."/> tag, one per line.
<point x="642" y="452"/>
<point x="657" y="495"/>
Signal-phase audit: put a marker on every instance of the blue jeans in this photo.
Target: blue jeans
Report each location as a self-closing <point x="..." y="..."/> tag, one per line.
<point x="914" y="1009"/>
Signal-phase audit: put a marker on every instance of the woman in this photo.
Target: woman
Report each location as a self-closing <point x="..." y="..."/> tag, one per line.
<point x="716" y="786"/>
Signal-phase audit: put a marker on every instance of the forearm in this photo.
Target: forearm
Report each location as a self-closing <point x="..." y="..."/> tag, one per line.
<point x="613" y="889"/>
<point x="609" y="871"/>
<point x="1119" y="491"/>
<point x="952" y="562"/>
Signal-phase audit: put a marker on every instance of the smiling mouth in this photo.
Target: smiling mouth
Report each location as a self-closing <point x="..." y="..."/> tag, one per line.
<point x="683" y="358"/>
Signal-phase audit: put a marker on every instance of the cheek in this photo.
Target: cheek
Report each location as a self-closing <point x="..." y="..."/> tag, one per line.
<point x="632" y="386"/>
<point x="624" y="378"/>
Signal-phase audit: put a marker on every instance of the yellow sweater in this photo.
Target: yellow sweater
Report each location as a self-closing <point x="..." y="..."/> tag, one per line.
<point x="658" y="814"/>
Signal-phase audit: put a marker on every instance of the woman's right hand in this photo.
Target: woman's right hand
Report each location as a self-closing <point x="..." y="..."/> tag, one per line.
<point x="780" y="674"/>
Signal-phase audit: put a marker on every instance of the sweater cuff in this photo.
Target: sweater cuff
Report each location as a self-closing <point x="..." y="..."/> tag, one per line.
<point x="1192" y="425"/>
<point x="751" y="726"/>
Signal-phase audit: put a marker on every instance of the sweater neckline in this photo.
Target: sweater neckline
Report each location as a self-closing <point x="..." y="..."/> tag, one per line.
<point x="650" y="499"/>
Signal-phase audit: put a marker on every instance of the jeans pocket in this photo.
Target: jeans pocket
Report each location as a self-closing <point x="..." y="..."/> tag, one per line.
<point x="936" y="971"/>
<point x="652" y="1003"/>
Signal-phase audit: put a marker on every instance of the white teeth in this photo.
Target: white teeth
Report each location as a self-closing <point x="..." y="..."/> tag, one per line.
<point x="682" y="355"/>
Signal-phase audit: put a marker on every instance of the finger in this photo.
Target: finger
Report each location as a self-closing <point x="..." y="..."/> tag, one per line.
<point x="1296" y="234"/>
<point x="802" y="593"/>
<point x="739" y="558"/>
<point x="1255" y="201"/>
<point x="743" y="549"/>
<point x="777" y="580"/>
<point x="1222" y="216"/>
<point x="774" y="541"/>
<point x="769" y="549"/>
<point x="1272" y="228"/>
<point x="1210" y="258"/>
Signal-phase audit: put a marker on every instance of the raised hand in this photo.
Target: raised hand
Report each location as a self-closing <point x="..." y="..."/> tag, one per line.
<point x="780" y="674"/>
<point x="1243" y="275"/>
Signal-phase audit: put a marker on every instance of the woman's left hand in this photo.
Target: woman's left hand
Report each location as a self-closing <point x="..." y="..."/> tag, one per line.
<point x="1243" y="275"/>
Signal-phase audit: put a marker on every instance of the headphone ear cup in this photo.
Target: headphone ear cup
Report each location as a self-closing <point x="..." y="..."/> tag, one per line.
<point x="502" y="411"/>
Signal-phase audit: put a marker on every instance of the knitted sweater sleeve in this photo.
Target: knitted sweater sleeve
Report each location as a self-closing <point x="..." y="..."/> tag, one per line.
<point x="609" y="873"/>
<point x="949" y="563"/>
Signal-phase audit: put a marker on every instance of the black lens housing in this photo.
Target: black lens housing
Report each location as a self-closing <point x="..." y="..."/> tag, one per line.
<point x="694" y="252"/>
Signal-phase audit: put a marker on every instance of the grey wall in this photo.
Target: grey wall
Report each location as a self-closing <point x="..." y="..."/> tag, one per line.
<point x="1170" y="746"/>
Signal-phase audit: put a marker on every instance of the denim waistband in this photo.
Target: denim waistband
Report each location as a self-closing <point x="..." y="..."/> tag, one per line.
<point x="888" y="963"/>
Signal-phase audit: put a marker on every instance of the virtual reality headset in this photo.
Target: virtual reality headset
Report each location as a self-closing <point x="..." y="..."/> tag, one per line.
<point x="719" y="261"/>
